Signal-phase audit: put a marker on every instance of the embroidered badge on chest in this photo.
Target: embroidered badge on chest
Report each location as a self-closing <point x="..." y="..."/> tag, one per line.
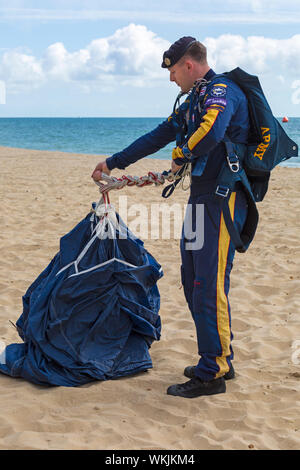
<point x="202" y="91"/>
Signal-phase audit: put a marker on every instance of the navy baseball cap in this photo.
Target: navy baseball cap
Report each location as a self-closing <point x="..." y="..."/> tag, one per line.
<point x="176" y="51"/>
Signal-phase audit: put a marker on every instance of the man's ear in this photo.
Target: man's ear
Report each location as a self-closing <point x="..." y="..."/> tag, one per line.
<point x="189" y="65"/>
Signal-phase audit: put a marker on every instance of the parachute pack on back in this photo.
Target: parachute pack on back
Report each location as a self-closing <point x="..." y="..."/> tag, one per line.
<point x="268" y="143"/>
<point x="267" y="146"/>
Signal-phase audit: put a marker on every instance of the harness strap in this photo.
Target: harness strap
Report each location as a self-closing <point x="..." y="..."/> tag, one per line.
<point x="180" y="175"/>
<point x="231" y="174"/>
<point x="168" y="190"/>
<point x="243" y="240"/>
<point x="232" y="230"/>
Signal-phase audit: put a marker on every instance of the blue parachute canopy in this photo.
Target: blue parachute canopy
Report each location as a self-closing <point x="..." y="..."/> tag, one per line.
<point x="93" y="313"/>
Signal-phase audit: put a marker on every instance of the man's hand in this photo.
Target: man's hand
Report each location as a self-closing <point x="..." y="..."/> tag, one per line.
<point x="100" y="168"/>
<point x="175" y="167"/>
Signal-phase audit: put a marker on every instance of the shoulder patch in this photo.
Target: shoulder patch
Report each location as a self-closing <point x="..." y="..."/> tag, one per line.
<point x="218" y="90"/>
<point x="217" y="96"/>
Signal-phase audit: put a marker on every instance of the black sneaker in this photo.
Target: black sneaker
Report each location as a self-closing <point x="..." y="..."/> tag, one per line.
<point x="189" y="372"/>
<point x="197" y="387"/>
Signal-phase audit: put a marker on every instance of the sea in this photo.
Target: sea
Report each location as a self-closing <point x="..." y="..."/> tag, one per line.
<point x="96" y="135"/>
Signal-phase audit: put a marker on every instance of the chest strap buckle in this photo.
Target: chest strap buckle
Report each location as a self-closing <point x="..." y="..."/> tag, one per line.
<point x="222" y="191"/>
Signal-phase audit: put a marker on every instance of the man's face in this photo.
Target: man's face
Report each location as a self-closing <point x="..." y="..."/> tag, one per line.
<point x="181" y="74"/>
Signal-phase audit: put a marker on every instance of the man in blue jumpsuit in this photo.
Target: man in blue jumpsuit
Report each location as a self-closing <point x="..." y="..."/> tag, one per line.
<point x="214" y="107"/>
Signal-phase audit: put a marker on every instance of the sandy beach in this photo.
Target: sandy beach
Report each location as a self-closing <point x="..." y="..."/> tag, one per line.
<point x="43" y="195"/>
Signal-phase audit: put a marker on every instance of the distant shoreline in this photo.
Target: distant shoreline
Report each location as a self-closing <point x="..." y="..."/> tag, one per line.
<point x="22" y="150"/>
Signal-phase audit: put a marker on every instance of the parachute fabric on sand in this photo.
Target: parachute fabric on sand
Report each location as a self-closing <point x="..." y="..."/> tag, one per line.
<point x="93" y="313"/>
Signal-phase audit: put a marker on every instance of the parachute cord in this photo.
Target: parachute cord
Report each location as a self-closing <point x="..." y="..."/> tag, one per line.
<point x="186" y="174"/>
<point x="113" y="183"/>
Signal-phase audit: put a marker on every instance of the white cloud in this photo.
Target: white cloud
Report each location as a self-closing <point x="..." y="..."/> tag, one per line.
<point x="131" y="52"/>
<point x="259" y="54"/>
<point x="132" y="57"/>
<point x="20" y="71"/>
<point x="60" y="64"/>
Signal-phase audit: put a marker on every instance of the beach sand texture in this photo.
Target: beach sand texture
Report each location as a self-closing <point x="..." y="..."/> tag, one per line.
<point x="43" y="195"/>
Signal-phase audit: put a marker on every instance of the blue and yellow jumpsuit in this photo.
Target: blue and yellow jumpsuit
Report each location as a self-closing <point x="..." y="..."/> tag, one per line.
<point x="221" y="107"/>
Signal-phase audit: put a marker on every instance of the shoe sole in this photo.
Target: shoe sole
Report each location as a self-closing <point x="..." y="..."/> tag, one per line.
<point x="175" y="393"/>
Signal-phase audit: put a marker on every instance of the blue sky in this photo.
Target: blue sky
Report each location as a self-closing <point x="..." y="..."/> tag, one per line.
<point x="96" y="58"/>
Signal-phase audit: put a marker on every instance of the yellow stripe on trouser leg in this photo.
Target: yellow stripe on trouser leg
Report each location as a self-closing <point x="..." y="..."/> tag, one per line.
<point x="222" y="302"/>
